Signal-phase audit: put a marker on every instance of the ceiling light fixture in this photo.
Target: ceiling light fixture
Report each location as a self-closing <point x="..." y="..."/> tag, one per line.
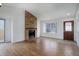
<point x="68" y="14"/>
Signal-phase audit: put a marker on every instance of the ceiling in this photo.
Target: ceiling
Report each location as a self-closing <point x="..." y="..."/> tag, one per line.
<point x="47" y="9"/>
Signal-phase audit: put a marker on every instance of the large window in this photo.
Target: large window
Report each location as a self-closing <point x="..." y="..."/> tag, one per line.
<point x="50" y="27"/>
<point x="1" y="30"/>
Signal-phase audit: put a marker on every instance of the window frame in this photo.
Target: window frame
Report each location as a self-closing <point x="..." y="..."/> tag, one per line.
<point x="50" y="22"/>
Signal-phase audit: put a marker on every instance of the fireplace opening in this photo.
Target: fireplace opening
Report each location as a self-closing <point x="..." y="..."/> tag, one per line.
<point x="31" y="34"/>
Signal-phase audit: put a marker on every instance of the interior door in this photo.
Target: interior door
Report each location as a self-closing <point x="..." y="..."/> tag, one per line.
<point x="1" y="30"/>
<point x="69" y="30"/>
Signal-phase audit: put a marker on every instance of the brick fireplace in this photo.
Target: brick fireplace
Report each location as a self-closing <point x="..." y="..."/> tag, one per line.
<point x="30" y="26"/>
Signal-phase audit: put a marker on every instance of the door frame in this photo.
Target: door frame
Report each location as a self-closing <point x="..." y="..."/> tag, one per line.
<point x="4" y="30"/>
<point x="72" y="28"/>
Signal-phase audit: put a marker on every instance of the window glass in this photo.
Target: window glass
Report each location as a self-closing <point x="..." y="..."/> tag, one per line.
<point x="50" y="27"/>
<point x="68" y="26"/>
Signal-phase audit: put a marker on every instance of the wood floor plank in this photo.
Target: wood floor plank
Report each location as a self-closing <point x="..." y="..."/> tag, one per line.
<point x="41" y="47"/>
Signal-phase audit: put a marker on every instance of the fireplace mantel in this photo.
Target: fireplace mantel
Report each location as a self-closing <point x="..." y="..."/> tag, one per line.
<point x="30" y="28"/>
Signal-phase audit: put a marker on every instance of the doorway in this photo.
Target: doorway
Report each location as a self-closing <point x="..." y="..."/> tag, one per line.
<point x="1" y="30"/>
<point x="69" y="30"/>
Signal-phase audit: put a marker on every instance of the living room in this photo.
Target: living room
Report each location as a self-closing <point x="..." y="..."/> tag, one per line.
<point x="50" y="28"/>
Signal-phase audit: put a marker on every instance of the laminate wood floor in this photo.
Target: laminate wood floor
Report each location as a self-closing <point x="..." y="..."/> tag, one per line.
<point x="40" y="47"/>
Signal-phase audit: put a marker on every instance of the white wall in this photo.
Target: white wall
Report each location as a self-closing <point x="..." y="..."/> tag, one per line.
<point x="14" y="23"/>
<point x="59" y="21"/>
<point x="77" y="27"/>
<point x="18" y="25"/>
<point x="38" y="27"/>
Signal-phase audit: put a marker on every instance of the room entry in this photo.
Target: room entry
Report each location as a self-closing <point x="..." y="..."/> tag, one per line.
<point x="1" y="30"/>
<point x="69" y="30"/>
